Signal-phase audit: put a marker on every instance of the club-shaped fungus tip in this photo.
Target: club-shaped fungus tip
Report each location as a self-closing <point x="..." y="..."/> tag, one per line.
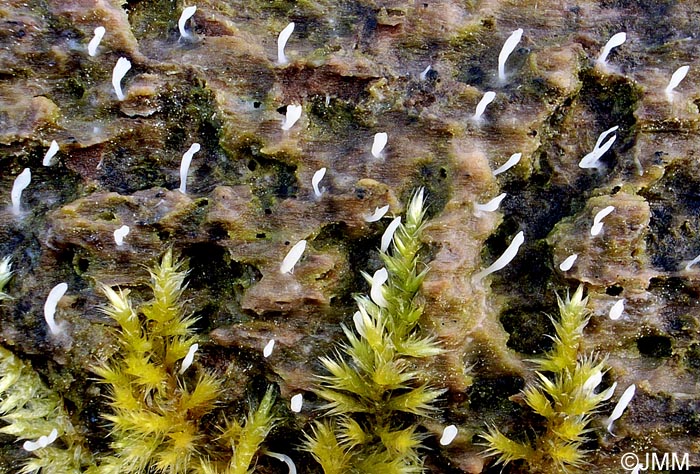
<point x="187" y="13"/>
<point x="52" y="300"/>
<point x="185" y="166"/>
<point x="18" y="186"/>
<point x="508" y="47"/>
<point x="96" y="40"/>
<point x="120" y="69"/>
<point x="282" y="42"/>
<point x="292" y="257"/>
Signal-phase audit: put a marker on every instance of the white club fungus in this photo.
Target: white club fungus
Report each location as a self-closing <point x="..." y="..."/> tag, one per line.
<point x="96" y="40"/>
<point x="508" y="48"/>
<point x="120" y="69"/>
<point x="592" y="160"/>
<point x="481" y="106"/>
<point x="187" y="13"/>
<point x="615" y="41"/>
<point x="617" y="309"/>
<point x="504" y="259"/>
<point x="389" y="234"/>
<point x="512" y="161"/>
<point x="119" y="235"/>
<point x="293" y="114"/>
<point x="490" y="206"/>
<point x="676" y="79"/>
<point x="292" y="257"/>
<point x="282" y="42"/>
<point x="380" y="140"/>
<point x="42" y="442"/>
<point x="376" y="291"/>
<point x="424" y="74"/>
<point x="621" y="405"/>
<point x="568" y="262"/>
<point x="592" y="383"/>
<point x="20" y="184"/>
<point x="51" y="152"/>
<point x="377" y="214"/>
<point x="292" y="469"/>
<point x="185" y="166"/>
<point x="448" y="435"/>
<point x="607" y="394"/>
<point x="316" y="179"/>
<point x="297" y="402"/>
<point x="267" y="350"/>
<point x="692" y="262"/>
<point x="597" y="226"/>
<point x="52" y="300"/>
<point x="189" y="358"/>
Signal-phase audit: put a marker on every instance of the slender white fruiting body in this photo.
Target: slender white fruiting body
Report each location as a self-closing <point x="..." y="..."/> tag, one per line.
<point x="597" y="226"/>
<point x="592" y="383"/>
<point x="615" y="41"/>
<point x="378" y="213"/>
<point x="187" y="13"/>
<point x="282" y="42"/>
<point x="120" y="69"/>
<point x="448" y="435"/>
<point x="185" y="166"/>
<point x="508" y="48"/>
<point x="119" y="235"/>
<point x="692" y="262"/>
<point x="607" y="395"/>
<point x="42" y="442"/>
<point x="292" y="257"/>
<point x="512" y="161"/>
<point x="297" y="402"/>
<point x="617" y="309"/>
<point x="481" y="106"/>
<point x="389" y="234"/>
<point x="676" y="79"/>
<point x="621" y="405"/>
<point x="490" y="206"/>
<point x="293" y="114"/>
<point x="267" y="350"/>
<point x="376" y="291"/>
<point x="592" y="160"/>
<point x="189" y="358"/>
<point x="52" y="300"/>
<point x="20" y="184"/>
<point x="50" y="153"/>
<point x="285" y="459"/>
<point x="96" y="39"/>
<point x="568" y="262"/>
<point x="504" y="259"/>
<point x="316" y="179"/>
<point x="424" y="74"/>
<point x="378" y="144"/>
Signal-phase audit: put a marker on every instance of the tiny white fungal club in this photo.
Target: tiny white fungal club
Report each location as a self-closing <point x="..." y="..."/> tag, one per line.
<point x="292" y="257"/>
<point x="42" y="442"/>
<point x="20" y="184"/>
<point x="185" y="166"/>
<point x="187" y="13"/>
<point x="378" y="144"/>
<point x="376" y="291"/>
<point x="119" y="235"/>
<point x="424" y="74"/>
<point x="282" y="42"/>
<point x="267" y="350"/>
<point x="617" y="309"/>
<point x="291" y="467"/>
<point x="53" y="149"/>
<point x="52" y="300"/>
<point x="621" y="405"/>
<point x="389" y="234"/>
<point x="490" y="206"/>
<point x="378" y="213"/>
<point x="297" y="402"/>
<point x="96" y="40"/>
<point x="597" y="226"/>
<point x="508" y="48"/>
<point x="512" y="161"/>
<point x="592" y="160"/>
<point x="568" y="262"/>
<point x="676" y="79"/>
<point x="481" y="106"/>
<point x="189" y="358"/>
<point x="692" y="262"/>
<point x="120" y="69"/>
<point x="615" y="41"/>
<point x="448" y="435"/>
<point x="293" y="114"/>
<point x="504" y="259"/>
<point x="316" y="179"/>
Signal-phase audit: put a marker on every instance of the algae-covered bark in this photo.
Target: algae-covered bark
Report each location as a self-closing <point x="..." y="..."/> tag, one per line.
<point x="358" y="68"/>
